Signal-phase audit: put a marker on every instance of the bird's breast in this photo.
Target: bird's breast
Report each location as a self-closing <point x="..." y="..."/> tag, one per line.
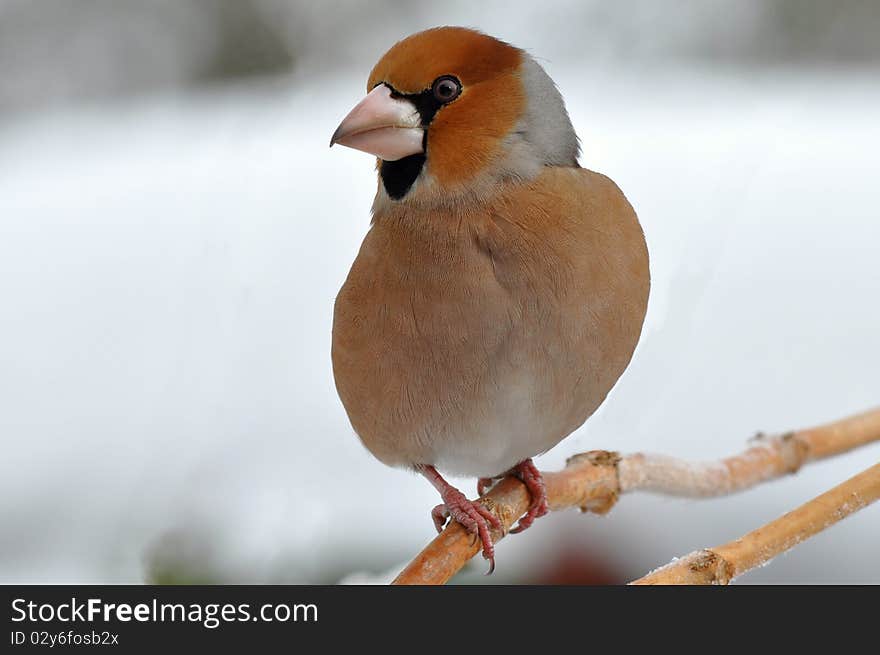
<point x="472" y="342"/>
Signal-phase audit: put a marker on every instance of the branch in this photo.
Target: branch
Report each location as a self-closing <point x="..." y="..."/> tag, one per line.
<point x="593" y="481"/>
<point x="722" y="564"/>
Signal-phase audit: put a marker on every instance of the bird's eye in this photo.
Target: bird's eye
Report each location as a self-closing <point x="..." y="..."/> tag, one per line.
<point x="446" y="89"/>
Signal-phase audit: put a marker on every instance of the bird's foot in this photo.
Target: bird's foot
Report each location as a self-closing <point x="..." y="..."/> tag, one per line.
<point x="531" y="477"/>
<point x="472" y="515"/>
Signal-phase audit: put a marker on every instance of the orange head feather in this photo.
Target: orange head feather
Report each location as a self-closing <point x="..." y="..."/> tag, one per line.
<point x="487" y="112"/>
<point x="465" y="135"/>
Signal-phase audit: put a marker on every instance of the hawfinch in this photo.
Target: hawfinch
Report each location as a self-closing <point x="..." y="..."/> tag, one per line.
<point x="501" y="289"/>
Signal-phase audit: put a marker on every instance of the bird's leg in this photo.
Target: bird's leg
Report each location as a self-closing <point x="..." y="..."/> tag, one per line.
<point x="475" y="518"/>
<point x="531" y="477"/>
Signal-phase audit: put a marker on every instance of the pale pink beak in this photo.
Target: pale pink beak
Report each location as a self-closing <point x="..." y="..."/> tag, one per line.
<point x="387" y="127"/>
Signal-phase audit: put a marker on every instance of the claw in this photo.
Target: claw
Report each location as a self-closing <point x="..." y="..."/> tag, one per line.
<point x="475" y="517"/>
<point x="439" y="514"/>
<point x="531" y="477"/>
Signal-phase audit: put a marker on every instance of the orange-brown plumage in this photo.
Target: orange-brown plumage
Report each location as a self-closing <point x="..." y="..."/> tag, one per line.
<point x="414" y="62"/>
<point x="516" y="316"/>
<point x="487" y="69"/>
<point x="501" y="289"/>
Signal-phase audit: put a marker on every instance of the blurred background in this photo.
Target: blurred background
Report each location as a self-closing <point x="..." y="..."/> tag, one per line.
<point x="174" y="229"/>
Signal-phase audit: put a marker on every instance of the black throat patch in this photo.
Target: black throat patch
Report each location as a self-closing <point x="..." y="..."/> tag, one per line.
<point x="399" y="176"/>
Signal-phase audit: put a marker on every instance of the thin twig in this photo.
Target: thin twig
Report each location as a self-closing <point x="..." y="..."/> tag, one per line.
<point x="722" y="564"/>
<point x="593" y="481"/>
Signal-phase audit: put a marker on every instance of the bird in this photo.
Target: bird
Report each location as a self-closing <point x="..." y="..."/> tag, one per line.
<point x="501" y="288"/>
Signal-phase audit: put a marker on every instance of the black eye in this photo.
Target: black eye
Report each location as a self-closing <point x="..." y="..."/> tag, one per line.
<point x="446" y="89"/>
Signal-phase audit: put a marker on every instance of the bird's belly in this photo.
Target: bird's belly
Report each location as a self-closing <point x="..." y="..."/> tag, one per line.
<point x="508" y="429"/>
<point x="472" y="395"/>
<point x="478" y="349"/>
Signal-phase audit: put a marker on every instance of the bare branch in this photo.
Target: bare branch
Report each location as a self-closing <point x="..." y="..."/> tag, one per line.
<point x="593" y="481"/>
<point x="722" y="564"/>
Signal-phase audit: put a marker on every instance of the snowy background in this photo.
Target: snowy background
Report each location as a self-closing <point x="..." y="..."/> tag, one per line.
<point x="174" y="229"/>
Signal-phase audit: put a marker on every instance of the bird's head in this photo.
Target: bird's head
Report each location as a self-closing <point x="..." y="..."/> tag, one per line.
<point x="451" y="113"/>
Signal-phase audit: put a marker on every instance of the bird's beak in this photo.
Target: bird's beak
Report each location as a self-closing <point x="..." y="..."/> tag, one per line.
<point x="387" y="127"/>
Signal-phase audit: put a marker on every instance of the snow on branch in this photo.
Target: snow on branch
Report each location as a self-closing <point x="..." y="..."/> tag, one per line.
<point x="593" y="481"/>
<point x="722" y="564"/>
